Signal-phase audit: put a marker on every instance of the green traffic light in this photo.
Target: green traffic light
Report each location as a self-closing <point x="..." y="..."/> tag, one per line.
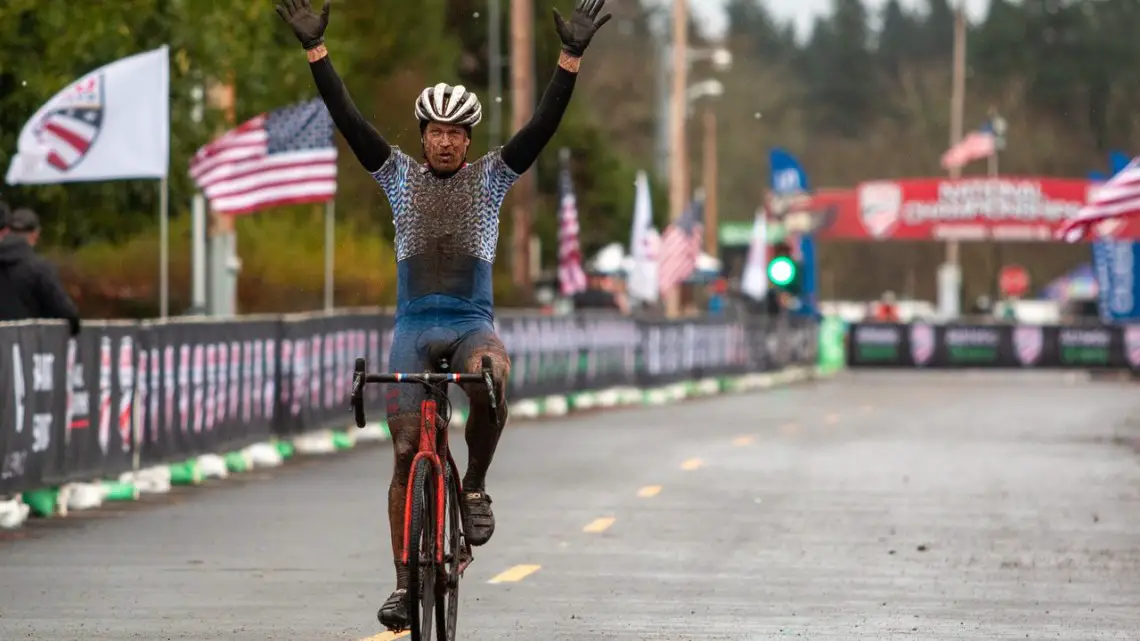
<point x="781" y="271"/>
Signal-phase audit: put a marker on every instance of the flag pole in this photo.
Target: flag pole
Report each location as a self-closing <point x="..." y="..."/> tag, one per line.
<point x="164" y="247"/>
<point x="330" y="249"/>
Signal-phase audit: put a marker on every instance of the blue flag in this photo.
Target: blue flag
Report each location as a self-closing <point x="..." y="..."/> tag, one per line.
<point x="786" y="176"/>
<point x="1117" y="267"/>
<point x="1117" y="161"/>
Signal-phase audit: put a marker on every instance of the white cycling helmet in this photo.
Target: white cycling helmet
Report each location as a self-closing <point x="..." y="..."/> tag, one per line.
<point x="449" y="105"/>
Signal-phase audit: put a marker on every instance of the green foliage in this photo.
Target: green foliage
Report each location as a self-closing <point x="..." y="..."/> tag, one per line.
<point x="385" y="53"/>
<point x="209" y="40"/>
<point x="282" y="267"/>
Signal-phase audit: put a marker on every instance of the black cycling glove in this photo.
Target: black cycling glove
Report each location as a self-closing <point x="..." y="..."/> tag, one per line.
<point x="307" y="25"/>
<point x="584" y="23"/>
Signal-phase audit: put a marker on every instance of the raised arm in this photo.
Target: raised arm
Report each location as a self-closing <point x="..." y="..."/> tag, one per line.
<point x="366" y="143"/>
<point x="523" y="148"/>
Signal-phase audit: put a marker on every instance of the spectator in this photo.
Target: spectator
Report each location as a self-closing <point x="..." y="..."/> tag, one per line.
<point x="718" y="292"/>
<point x="886" y="310"/>
<point x="29" y="285"/>
<point x="597" y="295"/>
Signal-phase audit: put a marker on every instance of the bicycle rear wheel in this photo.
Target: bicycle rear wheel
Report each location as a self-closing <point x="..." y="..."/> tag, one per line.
<point x="455" y="554"/>
<point x="422" y="569"/>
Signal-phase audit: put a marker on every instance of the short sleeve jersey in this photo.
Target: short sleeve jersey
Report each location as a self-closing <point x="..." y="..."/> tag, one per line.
<point x="427" y="207"/>
<point x="447" y="229"/>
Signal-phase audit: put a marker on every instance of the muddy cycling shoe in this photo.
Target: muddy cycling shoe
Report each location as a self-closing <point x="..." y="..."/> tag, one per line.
<point x="394" y="613"/>
<point x="482" y="519"/>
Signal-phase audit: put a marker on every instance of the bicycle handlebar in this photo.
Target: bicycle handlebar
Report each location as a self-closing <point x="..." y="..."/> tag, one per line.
<point x="360" y="378"/>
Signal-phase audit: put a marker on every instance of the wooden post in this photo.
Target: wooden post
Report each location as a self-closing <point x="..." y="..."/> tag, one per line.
<point x="522" y="108"/>
<point x="679" y="154"/>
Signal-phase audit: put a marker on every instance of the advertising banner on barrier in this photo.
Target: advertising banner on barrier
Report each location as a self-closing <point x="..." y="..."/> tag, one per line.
<point x="209" y="386"/>
<point x="930" y="346"/>
<point x="317" y="356"/>
<point x="33" y="397"/>
<point x="124" y="394"/>
<point x="98" y="426"/>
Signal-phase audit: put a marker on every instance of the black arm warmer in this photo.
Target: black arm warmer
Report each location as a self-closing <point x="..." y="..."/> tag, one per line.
<point x="370" y="148"/>
<point x="523" y="148"/>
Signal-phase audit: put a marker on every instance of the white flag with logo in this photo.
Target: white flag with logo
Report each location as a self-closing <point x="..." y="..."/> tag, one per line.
<point x="643" y="245"/>
<point x="111" y="124"/>
<point x="754" y="282"/>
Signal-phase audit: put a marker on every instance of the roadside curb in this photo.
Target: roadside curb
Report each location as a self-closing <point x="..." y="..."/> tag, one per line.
<point x="130" y="486"/>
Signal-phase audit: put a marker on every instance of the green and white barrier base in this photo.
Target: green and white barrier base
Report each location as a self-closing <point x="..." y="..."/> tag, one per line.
<point x="48" y="502"/>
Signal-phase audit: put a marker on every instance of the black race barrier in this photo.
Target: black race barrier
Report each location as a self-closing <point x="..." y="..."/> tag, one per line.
<point x="126" y="395"/>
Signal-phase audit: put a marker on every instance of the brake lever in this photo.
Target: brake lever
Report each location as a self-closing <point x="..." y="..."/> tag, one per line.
<point x="489" y="381"/>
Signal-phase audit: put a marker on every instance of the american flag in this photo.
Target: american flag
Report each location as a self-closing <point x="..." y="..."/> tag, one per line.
<point x="680" y="247"/>
<point x="284" y="157"/>
<point x="977" y="145"/>
<point x="570" y="275"/>
<point x="1118" y="197"/>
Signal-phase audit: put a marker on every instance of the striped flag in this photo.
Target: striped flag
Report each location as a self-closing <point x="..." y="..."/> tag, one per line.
<point x="1118" y="197"/>
<point x="680" y="247"/>
<point x="284" y="157"/>
<point x="977" y="145"/>
<point x="571" y="277"/>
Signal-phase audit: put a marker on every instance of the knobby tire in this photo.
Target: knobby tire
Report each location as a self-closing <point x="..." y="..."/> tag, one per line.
<point x="422" y="587"/>
<point x="448" y="613"/>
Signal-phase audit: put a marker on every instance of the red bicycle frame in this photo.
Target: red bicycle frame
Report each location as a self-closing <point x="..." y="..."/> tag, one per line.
<point x="432" y="440"/>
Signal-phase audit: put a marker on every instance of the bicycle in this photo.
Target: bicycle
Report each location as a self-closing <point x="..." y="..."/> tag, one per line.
<point x="433" y="505"/>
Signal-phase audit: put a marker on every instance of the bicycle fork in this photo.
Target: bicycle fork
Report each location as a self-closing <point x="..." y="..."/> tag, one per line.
<point x="427" y="449"/>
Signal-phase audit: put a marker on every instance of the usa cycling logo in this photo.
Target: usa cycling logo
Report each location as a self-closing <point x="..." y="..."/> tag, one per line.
<point x="880" y="206"/>
<point x="68" y="131"/>
<point x="1028" y="342"/>
<point x="921" y="343"/>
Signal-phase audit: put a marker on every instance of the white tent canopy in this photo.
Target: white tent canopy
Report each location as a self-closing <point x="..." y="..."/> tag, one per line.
<point x="612" y="259"/>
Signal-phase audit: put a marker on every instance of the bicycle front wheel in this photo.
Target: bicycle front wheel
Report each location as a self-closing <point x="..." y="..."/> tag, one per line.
<point x="455" y="554"/>
<point x="421" y="552"/>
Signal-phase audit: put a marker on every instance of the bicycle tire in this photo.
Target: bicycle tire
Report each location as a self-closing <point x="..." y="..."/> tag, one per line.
<point x="421" y="555"/>
<point x="447" y="616"/>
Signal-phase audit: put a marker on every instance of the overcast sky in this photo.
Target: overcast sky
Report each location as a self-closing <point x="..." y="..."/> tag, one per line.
<point x="804" y="11"/>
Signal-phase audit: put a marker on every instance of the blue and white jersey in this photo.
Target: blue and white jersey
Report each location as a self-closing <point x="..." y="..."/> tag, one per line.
<point x="447" y="231"/>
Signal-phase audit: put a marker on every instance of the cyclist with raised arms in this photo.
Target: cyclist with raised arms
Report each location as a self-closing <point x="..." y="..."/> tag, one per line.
<point x="447" y="228"/>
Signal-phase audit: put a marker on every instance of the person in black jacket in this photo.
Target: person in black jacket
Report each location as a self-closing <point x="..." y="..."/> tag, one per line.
<point x="29" y="285"/>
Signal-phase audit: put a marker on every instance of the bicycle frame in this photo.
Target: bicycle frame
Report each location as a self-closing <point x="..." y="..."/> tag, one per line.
<point x="433" y="438"/>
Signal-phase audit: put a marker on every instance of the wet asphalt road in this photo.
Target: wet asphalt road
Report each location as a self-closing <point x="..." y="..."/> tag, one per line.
<point x="871" y="506"/>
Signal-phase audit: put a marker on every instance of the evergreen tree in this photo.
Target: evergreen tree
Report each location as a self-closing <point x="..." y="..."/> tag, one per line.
<point x="841" y="72"/>
<point x="900" y="38"/>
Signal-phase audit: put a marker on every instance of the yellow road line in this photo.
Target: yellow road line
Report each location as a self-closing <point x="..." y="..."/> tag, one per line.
<point x="388" y="636"/>
<point x="599" y="525"/>
<point x="517" y="573"/>
<point x="648" y="491"/>
<point x="692" y="464"/>
<point x="743" y="440"/>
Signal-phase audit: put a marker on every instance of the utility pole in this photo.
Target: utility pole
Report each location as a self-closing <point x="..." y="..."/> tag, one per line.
<point x="495" y="69"/>
<point x="222" y="253"/>
<point x="522" y="107"/>
<point x="708" y="165"/>
<point x="678" y="151"/>
<point x="950" y="275"/>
